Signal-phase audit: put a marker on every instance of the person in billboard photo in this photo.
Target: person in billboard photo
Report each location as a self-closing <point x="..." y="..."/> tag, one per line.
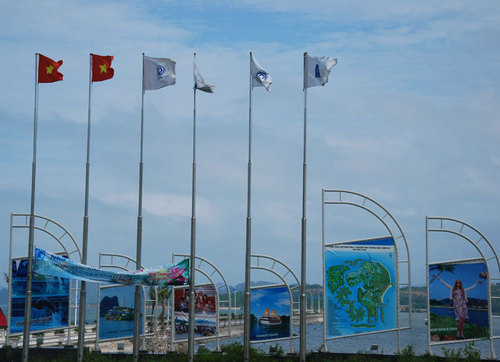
<point x="458" y="294"/>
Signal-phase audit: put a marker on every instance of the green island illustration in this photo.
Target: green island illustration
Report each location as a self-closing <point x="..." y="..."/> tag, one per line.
<point x="373" y="281"/>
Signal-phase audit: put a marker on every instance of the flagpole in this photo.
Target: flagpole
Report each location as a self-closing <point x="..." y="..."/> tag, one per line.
<point x="303" y="300"/>
<point x="193" y="238"/>
<point x="83" y="285"/>
<point x="138" y="261"/>
<point x="27" y="302"/>
<point x="248" y="230"/>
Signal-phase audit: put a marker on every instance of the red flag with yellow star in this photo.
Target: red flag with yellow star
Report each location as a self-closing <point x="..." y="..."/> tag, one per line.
<point x="101" y="67"/>
<point x="47" y="70"/>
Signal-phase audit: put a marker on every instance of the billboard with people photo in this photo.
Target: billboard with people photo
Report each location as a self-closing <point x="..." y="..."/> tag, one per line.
<point x="204" y="312"/>
<point x="458" y="301"/>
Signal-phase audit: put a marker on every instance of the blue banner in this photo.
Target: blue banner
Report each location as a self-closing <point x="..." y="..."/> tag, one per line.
<point x="46" y="263"/>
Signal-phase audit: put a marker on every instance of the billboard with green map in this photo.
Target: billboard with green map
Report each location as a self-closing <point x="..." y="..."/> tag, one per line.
<point x="360" y="287"/>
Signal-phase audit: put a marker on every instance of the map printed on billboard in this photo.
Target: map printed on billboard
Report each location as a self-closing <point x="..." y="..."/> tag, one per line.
<point x="116" y="312"/>
<point x="360" y="287"/>
<point x="49" y="304"/>
<point x="269" y="313"/>
<point x="204" y="312"/>
<point x="458" y="300"/>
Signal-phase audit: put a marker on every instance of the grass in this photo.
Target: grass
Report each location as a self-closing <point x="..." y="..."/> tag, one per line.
<point x="446" y="328"/>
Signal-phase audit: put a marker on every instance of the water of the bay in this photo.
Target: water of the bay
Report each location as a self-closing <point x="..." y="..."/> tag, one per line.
<point x="387" y="342"/>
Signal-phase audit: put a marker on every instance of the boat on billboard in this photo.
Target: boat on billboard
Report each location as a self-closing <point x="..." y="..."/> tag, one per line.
<point x="269" y="313"/>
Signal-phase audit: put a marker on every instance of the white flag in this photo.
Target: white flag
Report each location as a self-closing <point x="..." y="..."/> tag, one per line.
<point x="158" y="73"/>
<point x="259" y="76"/>
<point x="317" y="70"/>
<point x="199" y="82"/>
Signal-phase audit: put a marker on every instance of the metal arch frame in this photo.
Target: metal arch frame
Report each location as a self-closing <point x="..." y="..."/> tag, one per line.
<point x="215" y="270"/>
<point x="483" y="258"/>
<point x="44" y="229"/>
<point x="401" y="235"/>
<point x="293" y="310"/>
<point x="59" y="239"/>
<point x="100" y="286"/>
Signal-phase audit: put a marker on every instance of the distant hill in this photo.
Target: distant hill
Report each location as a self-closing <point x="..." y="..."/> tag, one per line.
<point x="241" y="286"/>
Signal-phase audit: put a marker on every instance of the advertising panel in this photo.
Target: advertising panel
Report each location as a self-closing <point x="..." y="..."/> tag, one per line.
<point x="46" y="263"/>
<point x="360" y="287"/>
<point x="458" y="300"/>
<point x="204" y="312"/>
<point x="50" y="300"/>
<point x="116" y="312"/>
<point x="269" y="313"/>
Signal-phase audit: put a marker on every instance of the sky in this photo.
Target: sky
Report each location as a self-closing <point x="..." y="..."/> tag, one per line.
<point x="408" y="118"/>
<point x="467" y="273"/>
<point x="276" y="298"/>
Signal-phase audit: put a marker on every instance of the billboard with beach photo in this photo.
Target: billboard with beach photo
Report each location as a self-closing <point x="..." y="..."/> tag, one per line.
<point x="116" y="312"/>
<point x="458" y="301"/>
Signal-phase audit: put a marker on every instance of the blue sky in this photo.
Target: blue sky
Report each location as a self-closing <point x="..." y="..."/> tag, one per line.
<point x="273" y="298"/>
<point x="409" y="118"/>
<point x="468" y="273"/>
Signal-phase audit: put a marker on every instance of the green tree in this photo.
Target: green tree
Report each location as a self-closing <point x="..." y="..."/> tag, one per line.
<point x="163" y="295"/>
<point x="441" y="268"/>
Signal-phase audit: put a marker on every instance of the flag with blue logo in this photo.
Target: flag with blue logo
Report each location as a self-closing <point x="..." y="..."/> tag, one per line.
<point x="317" y="69"/>
<point x="158" y="73"/>
<point x="260" y="77"/>
<point x="199" y="82"/>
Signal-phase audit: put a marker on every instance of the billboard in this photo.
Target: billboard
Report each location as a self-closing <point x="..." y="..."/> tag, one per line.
<point x="49" y="304"/>
<point x="360" y="287"/>
<point x="269" y="313"/>
<point x="116" y="312"/>
<point x="458" y="301"/>
<point x="205" y="312"/>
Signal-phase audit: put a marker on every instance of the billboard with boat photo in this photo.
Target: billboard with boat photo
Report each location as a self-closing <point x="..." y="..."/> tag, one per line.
<point x="269" y="313"/>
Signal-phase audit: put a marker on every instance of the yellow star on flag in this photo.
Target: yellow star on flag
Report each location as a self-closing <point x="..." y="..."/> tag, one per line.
<point x="50" y="68"/>
<point x="104" y="69"/>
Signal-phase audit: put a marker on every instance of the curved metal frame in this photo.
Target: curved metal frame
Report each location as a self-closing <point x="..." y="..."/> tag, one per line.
<point x="100" y="286"/>
<point x="59" y="239"/>
<point x="294" y="305"/>
<point x="484" y="258"/>
<point x="381" y="214"/>
<point x="208" y="275"/>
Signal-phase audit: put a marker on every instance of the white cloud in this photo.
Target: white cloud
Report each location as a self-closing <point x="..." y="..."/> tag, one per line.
<point x="409" y="117"/>
<point x="167" y="205"/>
